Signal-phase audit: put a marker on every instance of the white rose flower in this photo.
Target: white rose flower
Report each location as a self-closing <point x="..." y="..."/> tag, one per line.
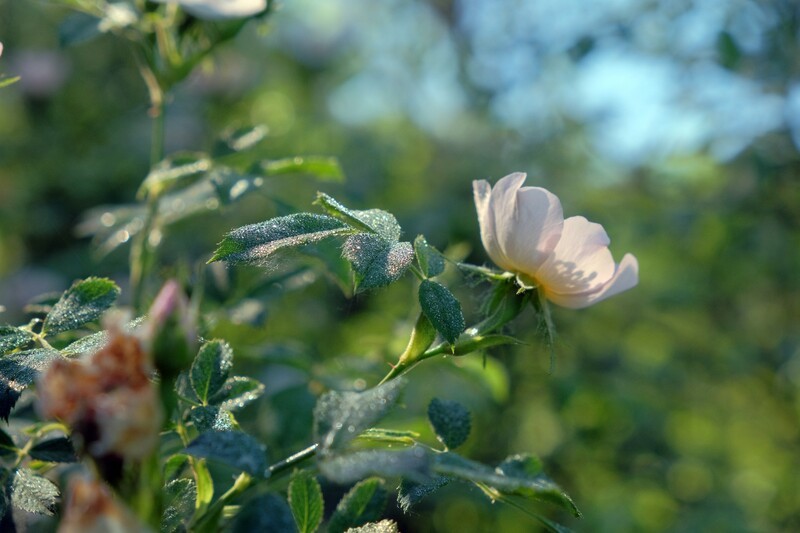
<point x="524" y="232"/>
<point x="220" y="9"/>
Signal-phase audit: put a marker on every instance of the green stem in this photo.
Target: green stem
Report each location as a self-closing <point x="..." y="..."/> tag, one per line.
<point x="292" y="460"/>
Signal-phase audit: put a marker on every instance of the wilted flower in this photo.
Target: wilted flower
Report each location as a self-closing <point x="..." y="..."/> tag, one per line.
<point x="91" y="508"/>
<point x="220" y="9"/>
<point x="108" y="399"/>
<point x="524" y="232"/>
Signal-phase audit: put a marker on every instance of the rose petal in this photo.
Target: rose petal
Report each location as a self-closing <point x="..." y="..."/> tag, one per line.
<point x="482" y="192"/>
<point x="581" y="261"/>
<point x="625" y="277"/>
<point x="528" y="222"/>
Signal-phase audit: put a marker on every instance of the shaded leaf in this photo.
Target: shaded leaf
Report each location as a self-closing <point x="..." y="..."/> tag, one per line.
<point x="210" y="368"/>
<point x="212" y="418"/>
<point x="442" y="309"/>
<point x="410" y="493"/>
<point x="339" y="417"/>
<point x="514" y="480"/>
<point x="363" y="503"/>
<point x="231" y="185"/>
<point x="468" y="343"/>
<point x="19" y="370"/>
<point x="94" y="342"/>
<point x="85" y="301"/>
<point x="323" y="168"/>
<point x="240" y="139"/>
<point x="236" y="392"/>
<point x="305" y="500"/>
<point x="376" y="262"/>
<point x="12" y="338"/>
<point x="33" y="493"/>
<point x="266" y="514"/>
<point x="7" y="446"/>
<point x="78" y="28"/>
<point x="431" y="261"/>
<point x="450" y="421"/>
<point x="256" y="242"/>
<point x="173" y="172"/>
<point x="58" y="450"/>
<point x="233" y="448"/>
<point x="179" y="500"/>
<point x="384" y="526"/>
<point x="379" y="222"/>
<point x="412" y="463"/>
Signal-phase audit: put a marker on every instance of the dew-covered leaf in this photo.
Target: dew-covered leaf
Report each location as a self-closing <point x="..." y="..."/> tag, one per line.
<point x="322" y="168"/>
<point x="212" y="418"/>
<point x="431" y="261"/>
<point x="265" y="514"/>
<point x="57" y="450"/>
<point x="19" y="370"/>
<point x="180" y="495"/>
<point x="384" y="526"/>
<point x="362" y="504"/>
<point x="33" y="493"/>
<point x="410" y="493"/>
<point x="210" y="368"/>
<point x="450" y="421"/>
<point x="510" y="478"/>
<point x="442" y="309"/>
<point x="305" y="500"/>
<point x="94" y="342"/>
<point x="12" y="338"/>
<point x="85" y="301"/>
<point x="233" y="448"/>
<point x="339" y="417"/>
<point x="256" y="242"/>
<point x="376" y="262"/>
<point x="381" y="223"/>
<point x="236" y="392"/>
<point x="177" y="171"/>
<point x="412" y="463"/>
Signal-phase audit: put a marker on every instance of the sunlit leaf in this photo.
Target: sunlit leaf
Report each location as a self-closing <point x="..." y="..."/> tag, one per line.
<point x="212" y="418"/>
<point x="240" y="139"/>
<point x="410" y="493"/>
<point x="85" y="301"/>
<point x="451" y="422"/>
<point x="180" y="495"/>
<point x="322" y="168"/>
<point x="19" y="370"/>
<point x="176" y="171"/>
<point x="256" y="242"/>
<point x="339" y="417"/>
<point x="412" y="463"/>
<point x="33" y="493"/>
<point x="376" y="262"/>
<point x="389" y="435"/>
<point x="12" y="338"/>
<point x="375" y="221"/>
<point x="384" y="526"/>
<point x="431" y="261"/>
<point x="362" y="504"/>
<point x="237" y="392"/>
<point x="305" y="500"/>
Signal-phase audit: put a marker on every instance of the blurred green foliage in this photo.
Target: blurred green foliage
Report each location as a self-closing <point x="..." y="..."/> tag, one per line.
<point x="673" y="407"/>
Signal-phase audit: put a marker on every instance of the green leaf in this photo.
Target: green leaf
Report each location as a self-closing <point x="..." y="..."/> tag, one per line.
<point x="410" y="493"/>
<point x="305" y="500"/>
<point x="510" y="477"/>
<point x="5" y="81"/>
<point x="233" y="448"/>
<point x="412" y="463"/>
<point x="174" y="465"/>
<point x="384" y="526"/>
<point x="19" y="370"/>
<point x="33" y="493"/>
<point x="363" y="503"/>
<point x="237" y="392"/>
<point x="442" y="309"/>
<point x="212" y="418"/>
<point x="431" y="261"/>
<point x="376" y="221"/>
<point x="256" y="242"/>
<point x="240" y="139"/>
<point x="177" y="171"/>
<point x="230" y="186"/>
<point x="210" y="369"/>
<point x="450" y="421"/>
<point x="265" y="514"/>
<point x="180" y="496"/>
<point x="7" y="446"/>
<point x="389" y="435"/>
<point x="322" y="168"/>
<point x="57" y="450"/>
<point x="468" y="343"/>
<point x="376" y="262"/>
<point x="83" y="302"/>
<point x="78" y="28"/>
<point x="94" y="342"/>
<point x="12" y="338"/>
<point x="339" y="417"/>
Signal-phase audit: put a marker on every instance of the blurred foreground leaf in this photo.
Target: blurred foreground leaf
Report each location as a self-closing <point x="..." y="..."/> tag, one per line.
<point x="233" y="448"/>
<point x="412" y="463"/>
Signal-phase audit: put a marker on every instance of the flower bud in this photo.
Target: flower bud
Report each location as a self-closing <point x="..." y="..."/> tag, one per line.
<point x="171" y="331"/>
<point x="91" y="508"/>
